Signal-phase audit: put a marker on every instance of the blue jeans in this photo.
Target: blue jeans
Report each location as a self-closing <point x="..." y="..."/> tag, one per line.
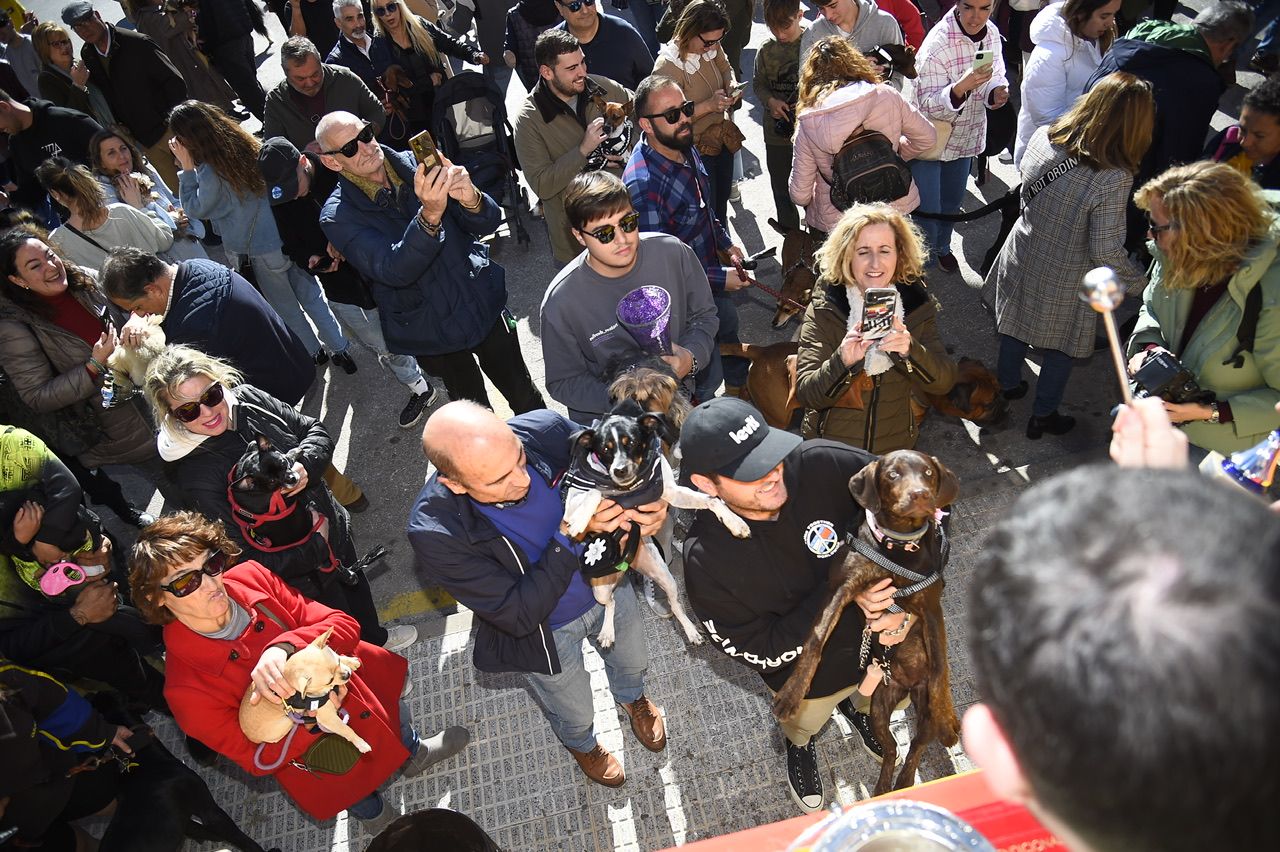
<point x="566" y="697"/>
<point x="292" y="291"/>
<point x="735" y="369"/>
<point x="371" y="805"/>
<point x="366" y="327"/>
<point x="941" y="184"/>
<point x="1055" y="370"/>
<point x="1266" y="12"/>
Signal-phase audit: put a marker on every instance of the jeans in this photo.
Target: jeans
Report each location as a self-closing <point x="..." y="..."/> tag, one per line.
<point x="292" y="291"/>
<point x="720" y="178"/>
<point x="235" y="61"/>
<point x="566" y="697"/>
<point x="777" y="159"/>
<point x="365" y="326"/>
<point x="500" y="358"/>
<point x="645" y="16"/>
<point x="941" y="184"/>
<point x="735" y="369"/>
<point x="1055" y="370"/>
<point x="1266" y="13"/>
<point x="371" y="805"/>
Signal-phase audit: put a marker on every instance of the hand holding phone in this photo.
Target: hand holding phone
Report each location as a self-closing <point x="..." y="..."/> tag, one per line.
<point x="737" y="90"/>
<point x="424" y="150"/>
<point x="983" y="60"/>
<point x="878" y="308"/>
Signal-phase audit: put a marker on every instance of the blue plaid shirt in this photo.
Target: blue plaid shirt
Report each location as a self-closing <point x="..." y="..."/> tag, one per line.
<point x="670" y="200"/>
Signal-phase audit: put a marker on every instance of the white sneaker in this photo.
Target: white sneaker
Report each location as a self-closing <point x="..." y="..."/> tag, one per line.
<point x="1006" y="156"/>
<point x="649" y="590"/>
<point x="735" y="193"/>
<point x="400" y="636"/>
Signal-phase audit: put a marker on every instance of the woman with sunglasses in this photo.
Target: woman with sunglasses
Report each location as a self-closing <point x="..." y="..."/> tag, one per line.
<point x="207" y="421"/>
<point x="229" y="625"/>
<point x="1214" y="287"/>
<point x="694" y="59"/>
<point x="416" y="45"/>
<point x="840" y="91"/>
<point x="64" y="79"/>
<point x="220" y="181"/>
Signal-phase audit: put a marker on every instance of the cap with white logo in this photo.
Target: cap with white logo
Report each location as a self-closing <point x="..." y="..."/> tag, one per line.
<point x="729" y="437"/>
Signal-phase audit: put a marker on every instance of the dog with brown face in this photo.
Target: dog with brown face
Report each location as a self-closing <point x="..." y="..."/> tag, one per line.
<point x="618" y="132"/>
<point x="903" y="493"/>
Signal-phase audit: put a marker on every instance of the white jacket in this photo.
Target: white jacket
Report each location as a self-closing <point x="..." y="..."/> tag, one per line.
<point x="1055" y="76"/>
<point x="945" y="56"/>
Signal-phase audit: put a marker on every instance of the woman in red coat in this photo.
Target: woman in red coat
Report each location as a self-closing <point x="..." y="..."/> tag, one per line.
<point x="225" y="630"/>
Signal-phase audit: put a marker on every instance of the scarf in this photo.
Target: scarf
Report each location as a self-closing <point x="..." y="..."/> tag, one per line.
<point x="874" y="362"/>
<point x="690" y="65"/>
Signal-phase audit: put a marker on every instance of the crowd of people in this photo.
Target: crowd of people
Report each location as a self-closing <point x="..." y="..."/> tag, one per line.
<point x="136" y="204"/>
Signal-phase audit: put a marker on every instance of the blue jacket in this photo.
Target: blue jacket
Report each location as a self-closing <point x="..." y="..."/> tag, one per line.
<point x="436" y="295"/>
<point x="221" y="314"/>
<point x="244" y="223"/>
<point x="367" y="68"/>
<point x="458" y="548"/>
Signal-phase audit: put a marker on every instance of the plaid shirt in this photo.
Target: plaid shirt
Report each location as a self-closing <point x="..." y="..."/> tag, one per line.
<point x="671" y="201"/>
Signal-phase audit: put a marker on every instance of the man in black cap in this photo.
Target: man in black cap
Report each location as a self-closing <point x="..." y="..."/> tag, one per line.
<point x="758" y="597"/>
<point x="298" y="185"/>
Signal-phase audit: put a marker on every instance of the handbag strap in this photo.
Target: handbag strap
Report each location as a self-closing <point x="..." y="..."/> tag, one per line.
<point x="82" y="235"/>
<point x="1041" y="183"/>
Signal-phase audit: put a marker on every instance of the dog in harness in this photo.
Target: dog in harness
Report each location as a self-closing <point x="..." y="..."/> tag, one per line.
<point x="618" y="131"/>
<point x="903" y="537"/>
<point x="620" y="458"/>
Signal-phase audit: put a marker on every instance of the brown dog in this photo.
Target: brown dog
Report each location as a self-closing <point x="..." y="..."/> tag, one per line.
<point x="798" y="277"/>
<point x="903" y="493"/>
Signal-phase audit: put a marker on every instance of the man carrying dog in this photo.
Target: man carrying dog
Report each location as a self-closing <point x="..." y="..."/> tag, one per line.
<point x="583" y="343"/>
<point x="758" y="597"/>
<point x="487" y="528"/>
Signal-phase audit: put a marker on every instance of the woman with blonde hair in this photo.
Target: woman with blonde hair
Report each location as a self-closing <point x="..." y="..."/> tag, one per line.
<point x="220" y="181"/>
<point x="64" y="79"/>
<point x="94" y="227"/>
<point x="855" y="389"/>
<point x="695" y="60"/>
<point x="1071" y="222"/>
<point x="1212" y="301"/>
<point x="840" y="92"/>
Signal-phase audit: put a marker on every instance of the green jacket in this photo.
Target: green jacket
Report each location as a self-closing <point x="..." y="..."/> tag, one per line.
<point x="1178" y="36"/>
<point x="776" y="75"/>
<point x="1252" y="389"/>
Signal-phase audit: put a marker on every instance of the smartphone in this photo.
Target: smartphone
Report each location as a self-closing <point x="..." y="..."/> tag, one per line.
<point x="983" y="59"/>
<point x="424" y="150"/>
<point x="878" y="307"/>
<point x="738" y="89"/>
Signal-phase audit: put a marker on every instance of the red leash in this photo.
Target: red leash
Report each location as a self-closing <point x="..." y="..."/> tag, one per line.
<point x="277" y="510"/>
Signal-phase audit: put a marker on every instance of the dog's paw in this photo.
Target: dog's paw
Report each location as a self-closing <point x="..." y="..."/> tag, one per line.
<point x="605" y="639"/>
<point x="362" y="746"/>
<point x="949" y="732"/>
<point x="736" y="525"/>
<point x="785" y="705"/>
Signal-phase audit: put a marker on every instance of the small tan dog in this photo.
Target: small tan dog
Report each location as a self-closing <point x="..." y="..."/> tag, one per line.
<point x="315" y="671"/>
<point x="129" y="363"/>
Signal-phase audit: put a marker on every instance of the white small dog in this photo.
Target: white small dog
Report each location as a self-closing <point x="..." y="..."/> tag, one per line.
<point x="129" y="363"/>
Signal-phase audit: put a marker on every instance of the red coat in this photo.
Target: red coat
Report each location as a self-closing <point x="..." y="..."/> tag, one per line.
<point x="205" y="679"/>
<point x="908" y="16"/>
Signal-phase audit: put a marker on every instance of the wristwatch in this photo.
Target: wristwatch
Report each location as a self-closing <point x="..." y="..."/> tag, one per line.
<point x="1215" y="415"/>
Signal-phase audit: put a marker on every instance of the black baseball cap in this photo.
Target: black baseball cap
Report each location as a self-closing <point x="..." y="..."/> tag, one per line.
<point x="278" y="162"/>
<point x="73" y="13"/>
<point x="729" y="437"/>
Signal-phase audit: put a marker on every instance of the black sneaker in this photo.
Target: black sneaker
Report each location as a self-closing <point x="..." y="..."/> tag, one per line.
<point x="137" y="517"/>
<point x="1052" y="423"/>
<point x="321" y="357"/>
<point x="344" y="360"/>
<point x="417" y="404"/>
<point x="802" y="777"/>
<point x="861" y="723"/>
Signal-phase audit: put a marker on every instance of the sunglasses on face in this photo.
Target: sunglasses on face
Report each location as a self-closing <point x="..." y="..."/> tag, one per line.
<point x="606" y="233"/>
<point x="185" y="584"/>
<point x="710" y="42"/>
<point x="189" y="411"/>
<point x="576" y="5"/>
<point x="349" y="150"/>
<point x="671" y="116"/>
<point x="383" y="11"/>
<point x="1155" y="230"/>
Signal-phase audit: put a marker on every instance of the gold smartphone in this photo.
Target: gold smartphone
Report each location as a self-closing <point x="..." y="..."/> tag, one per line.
<point x="424" y="150"/>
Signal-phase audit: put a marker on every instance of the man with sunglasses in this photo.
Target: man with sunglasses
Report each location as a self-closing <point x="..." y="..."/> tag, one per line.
<point x="672" y="193"/>
<point x="412" y="234"/>
<point x="355" y="48"/>
<point x="860" y="22"/>
<point x="614" y="49"/>
<point x="558" y="127"/>
<point x="312" y="89"/>
<point x="582" y="340"/>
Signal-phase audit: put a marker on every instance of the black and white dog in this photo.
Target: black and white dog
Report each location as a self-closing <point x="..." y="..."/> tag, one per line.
<point x="620" y="458"/>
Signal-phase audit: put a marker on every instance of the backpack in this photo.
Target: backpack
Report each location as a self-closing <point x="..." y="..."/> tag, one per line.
<point x="867" y="169"/>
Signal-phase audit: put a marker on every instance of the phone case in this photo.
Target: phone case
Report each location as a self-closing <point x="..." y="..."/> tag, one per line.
<point x="877" y="312"/>
<point x="424" y="149"/>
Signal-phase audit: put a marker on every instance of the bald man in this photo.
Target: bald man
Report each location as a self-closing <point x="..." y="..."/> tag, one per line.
<point x="487" y="528"/>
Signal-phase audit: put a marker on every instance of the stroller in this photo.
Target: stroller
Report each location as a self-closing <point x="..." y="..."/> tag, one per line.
<point x="469" y="123"/>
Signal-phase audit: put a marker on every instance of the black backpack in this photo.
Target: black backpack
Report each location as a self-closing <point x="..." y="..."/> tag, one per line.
<point x="867" y="169"/>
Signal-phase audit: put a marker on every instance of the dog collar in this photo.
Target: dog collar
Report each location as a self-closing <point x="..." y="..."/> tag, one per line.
<point x="308" y="704"/>
<point x="908" y="541"/>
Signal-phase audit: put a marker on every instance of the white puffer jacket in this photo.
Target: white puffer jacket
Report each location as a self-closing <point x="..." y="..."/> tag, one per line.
<point x="945" y="56"/>
<point x="1056" y="74"/>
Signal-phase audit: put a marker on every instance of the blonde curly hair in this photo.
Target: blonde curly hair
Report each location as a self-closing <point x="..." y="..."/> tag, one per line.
<point x="835" y="258"/>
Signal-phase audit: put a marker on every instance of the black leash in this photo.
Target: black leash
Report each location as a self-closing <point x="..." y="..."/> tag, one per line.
<point x="1008" y="198"/>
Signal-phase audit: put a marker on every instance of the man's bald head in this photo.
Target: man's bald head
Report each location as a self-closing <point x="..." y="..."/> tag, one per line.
<point x="336" y="120"/>
<point x="476" y="453"/>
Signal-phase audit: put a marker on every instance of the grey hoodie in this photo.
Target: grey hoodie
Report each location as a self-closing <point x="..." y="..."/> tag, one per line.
<point x="873" y="28"/>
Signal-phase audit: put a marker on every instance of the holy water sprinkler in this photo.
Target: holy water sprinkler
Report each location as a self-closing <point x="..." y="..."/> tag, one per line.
<point x="1104" y="293"/>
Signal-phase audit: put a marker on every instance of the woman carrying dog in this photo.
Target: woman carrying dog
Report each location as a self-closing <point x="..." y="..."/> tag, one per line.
<point x="1076" y="177"/>
<point x="228" y="626"/>
<point x="208" y="420"/>
<point x="857" y="390"/>
<point x="1212" y="301"/>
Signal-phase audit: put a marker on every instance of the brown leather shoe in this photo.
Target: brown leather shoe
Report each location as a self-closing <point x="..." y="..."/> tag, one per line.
<point x="647" y="723"/>
<point x="600" y="766"/>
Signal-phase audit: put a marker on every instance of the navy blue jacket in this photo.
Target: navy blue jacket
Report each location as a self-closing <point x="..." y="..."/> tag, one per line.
<point x="221" y="314"/>
<point x="367" y="68"/>
<point x="436" y="295"/>
<point x="458" y="548"/>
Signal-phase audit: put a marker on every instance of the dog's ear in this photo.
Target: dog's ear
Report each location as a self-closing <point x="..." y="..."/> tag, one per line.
<point x="628" y="408"/>
<point x="627" y="106"/>
<point x="323" y="639"/>
<point x="264" y="445"/>
<point x="948" y="484"/>
<point x="583" y="438"/>
<point x="961" y="396"/>
<point x="864" y="487"/>
<point x="654" y="423"/>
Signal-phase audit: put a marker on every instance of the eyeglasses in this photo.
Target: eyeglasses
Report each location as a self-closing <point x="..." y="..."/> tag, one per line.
<point x="189" y="411"/>
<point x="383" y="11"/>
<point x="606" y="233"/>
<point x="710" y="42"/>
<point x="349" y="150"/>
<point x="185" y="584"/>
<point x="1156" y="230"/>
<point x="576" y="5"/>
<point x="671" y="116"/>
<point x="62" y="42"/>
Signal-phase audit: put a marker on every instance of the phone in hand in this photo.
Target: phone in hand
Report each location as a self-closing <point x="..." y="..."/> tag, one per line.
<point x="983" y="59"/>
<point x="879" y="304"/>
<point x="424" y="150"/>
<point x="737" y="89"/>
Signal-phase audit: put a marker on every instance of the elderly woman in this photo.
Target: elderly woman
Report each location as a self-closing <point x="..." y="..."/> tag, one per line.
<point x="1212" y="301"/>
<point x="207" y="419"/>
<point x="64" y="79"/>
<point x="855" y="389"/>
<point x="229" y="626"/>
